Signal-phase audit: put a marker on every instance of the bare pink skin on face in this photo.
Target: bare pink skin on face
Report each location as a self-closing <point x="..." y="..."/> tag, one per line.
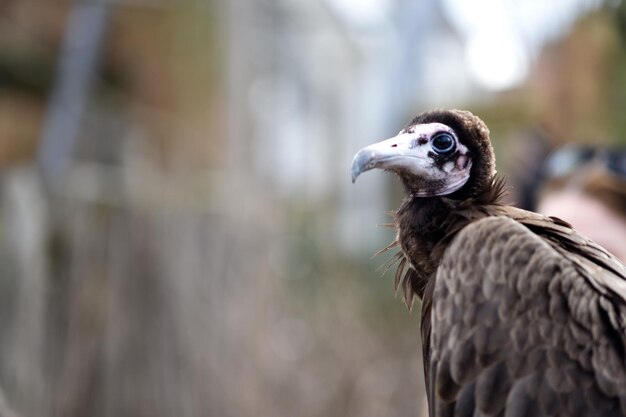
<point x="590" y="217"/>
<point x="411" y="151"/>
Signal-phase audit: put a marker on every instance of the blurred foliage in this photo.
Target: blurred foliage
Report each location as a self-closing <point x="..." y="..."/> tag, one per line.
<point x="25" y="72"/>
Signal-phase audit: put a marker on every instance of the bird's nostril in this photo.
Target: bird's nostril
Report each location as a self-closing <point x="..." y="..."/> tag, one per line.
<point x="395" y="145"/>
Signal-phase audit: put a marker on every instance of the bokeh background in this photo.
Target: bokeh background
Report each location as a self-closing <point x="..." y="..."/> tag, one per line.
<point x="178" y="231"/>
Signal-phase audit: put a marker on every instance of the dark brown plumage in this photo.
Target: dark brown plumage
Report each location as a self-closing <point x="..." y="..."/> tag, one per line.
<point x="521" y="315"/>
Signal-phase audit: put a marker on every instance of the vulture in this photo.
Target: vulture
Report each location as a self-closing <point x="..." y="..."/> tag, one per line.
<point x="520" y="314"/>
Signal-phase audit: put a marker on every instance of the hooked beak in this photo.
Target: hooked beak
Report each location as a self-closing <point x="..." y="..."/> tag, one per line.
<point x="424" y="170"/>
<point x="399" y="152"/>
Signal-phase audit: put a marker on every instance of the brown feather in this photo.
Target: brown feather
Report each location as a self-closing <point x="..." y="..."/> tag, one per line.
<point x="520" y="314"/>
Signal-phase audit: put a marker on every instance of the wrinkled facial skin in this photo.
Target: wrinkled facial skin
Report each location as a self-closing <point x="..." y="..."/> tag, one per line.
<point x="411" y="154"/>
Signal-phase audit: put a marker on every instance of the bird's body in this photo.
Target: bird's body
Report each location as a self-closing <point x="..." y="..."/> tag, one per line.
<point x="521" y="315"/>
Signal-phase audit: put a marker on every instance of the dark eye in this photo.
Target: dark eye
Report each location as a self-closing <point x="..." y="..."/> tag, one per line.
<point x="443" y="143"/>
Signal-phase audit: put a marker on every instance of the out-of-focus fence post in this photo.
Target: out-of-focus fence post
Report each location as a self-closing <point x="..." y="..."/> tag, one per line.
<point x="33" y="218"/>
<point x="78" y="60"/>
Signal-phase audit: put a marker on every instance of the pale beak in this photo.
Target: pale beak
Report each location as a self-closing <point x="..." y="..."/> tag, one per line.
<point x="397" y="153"/>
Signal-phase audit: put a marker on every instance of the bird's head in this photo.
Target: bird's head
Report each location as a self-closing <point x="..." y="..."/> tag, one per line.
<point x="440" y="152"/>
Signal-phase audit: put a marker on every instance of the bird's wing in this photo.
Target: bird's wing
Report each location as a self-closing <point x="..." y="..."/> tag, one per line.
<point x="580" y="250"/>
<point x="519" y="330"/>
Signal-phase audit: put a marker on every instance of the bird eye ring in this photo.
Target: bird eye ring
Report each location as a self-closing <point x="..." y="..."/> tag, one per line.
<point x="443" y="143"/>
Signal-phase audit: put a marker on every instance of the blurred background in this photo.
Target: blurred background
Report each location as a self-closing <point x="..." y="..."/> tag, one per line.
<point x="179" y="235"/>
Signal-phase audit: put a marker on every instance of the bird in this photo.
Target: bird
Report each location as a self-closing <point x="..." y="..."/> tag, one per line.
<point x="521" y="315"/>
